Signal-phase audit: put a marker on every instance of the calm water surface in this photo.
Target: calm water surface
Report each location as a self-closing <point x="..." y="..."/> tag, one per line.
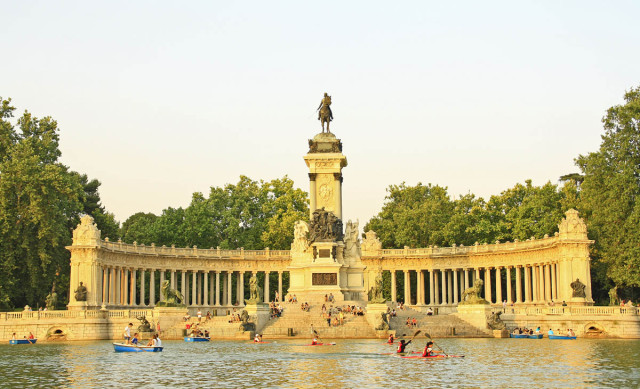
<point x="489" y="363"/>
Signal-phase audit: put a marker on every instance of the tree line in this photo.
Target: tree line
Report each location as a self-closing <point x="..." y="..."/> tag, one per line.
<point x="41" y="201"/>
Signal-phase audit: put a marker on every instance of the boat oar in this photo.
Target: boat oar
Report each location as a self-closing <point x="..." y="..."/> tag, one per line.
<point x="317" y="336"/>
<point x="434" y="343"/>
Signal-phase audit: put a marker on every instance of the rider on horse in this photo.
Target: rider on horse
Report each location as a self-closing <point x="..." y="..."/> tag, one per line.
<point x="326" y="102"/>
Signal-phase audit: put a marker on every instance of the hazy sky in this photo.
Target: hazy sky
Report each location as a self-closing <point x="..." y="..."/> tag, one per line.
<point x="158" y="100"/>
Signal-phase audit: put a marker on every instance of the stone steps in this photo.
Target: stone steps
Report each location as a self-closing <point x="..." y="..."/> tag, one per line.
<point x="434" y="325"/>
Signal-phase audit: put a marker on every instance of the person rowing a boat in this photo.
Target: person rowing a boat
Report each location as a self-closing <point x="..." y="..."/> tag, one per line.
<point x="428" y="350"/>
<point x="257" y="339"/>
<point x="134" y="340"/>
<point x="314" y="342"/>
<point x="390" y="341"/>
<point x="401" y="346"/>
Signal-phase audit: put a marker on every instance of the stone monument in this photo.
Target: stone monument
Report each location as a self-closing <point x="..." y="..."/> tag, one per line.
<point x="323" y="259"/>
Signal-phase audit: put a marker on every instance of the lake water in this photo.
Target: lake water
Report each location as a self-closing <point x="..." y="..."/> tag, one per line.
<point x="490" y="363"/>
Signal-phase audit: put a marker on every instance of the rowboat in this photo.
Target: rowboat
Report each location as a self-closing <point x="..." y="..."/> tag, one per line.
<point x="132" y="348"/>
<point x="519" y="336"/>
<point x="260" y="342"/>
<point x="23" y="341"/>
<point x="320" y="344"/>
<point x="562" y="337"/>
<point x="535" y="336"/>
<point x="432" y="356"/>
<point x="196" y="339"/>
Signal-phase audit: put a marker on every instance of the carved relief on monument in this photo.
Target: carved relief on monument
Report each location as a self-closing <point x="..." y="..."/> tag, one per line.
<point x="324" y="279"/>
<point x="324" y="183"/>
<point x="371" y="244"/>
<point x="87" y="233"/>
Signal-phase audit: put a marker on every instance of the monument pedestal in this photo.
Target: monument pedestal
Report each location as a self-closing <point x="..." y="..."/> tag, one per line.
<point x="475" y="314"/>
<point x="374" y="315"/>
<point x="259" y="314"/>
<point x="78" y="306"/>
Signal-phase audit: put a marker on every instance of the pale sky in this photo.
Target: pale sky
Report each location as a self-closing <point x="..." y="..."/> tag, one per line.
<point x="158" y="100"/>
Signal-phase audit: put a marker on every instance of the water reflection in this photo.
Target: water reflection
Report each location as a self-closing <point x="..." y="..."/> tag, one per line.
<point x="351" y="363"/>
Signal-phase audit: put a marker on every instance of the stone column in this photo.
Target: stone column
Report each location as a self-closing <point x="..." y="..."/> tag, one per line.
<point x="443" y="273"/>
<point x="162" y="274"/>
<point x="142" y="291"/>
<point x="432" y="293"/>
<point x="509" y="298"/>
<point x="229" y="287"/>
<point x="280" y="286"/>
<point x="418" y="287"/>
<point x="212" y="287"/>
<point x="194" y="283"/>
<point x="152" y="287"/>
<point x="105" y="285"/>
<point x="217" y="288"/>
<point x="407" y="288"/>
<point x="394" y="292"/>
<point x="498" y="286"/>
<point x="436" y="286"/>
<point x="518" y="285"/>
<point x="199" y="288"/>
<point x="205" y="284"/>
<point x="241" y="289"/>
<point x="449" y="287"/>
<point x="527" y="284"/>
<point x="338" y="189"/>
<point x="266" y="287"/>
<point x="183" y="286"/>
<point x="133" y="287"/>
<point x="487" y="285"/>
<point x="455" y="286"/>
<point x="312" y="194"/>
<point x="547" y="283"/>
<point x="118" y="286"/>
<point x="466" y="278"/>
<point x="173" y="279"/>
<point x="225" y="288"/>
<point x="554" y="290"/>
<point x="476" y="275"/>
<point x="534" y="283"/>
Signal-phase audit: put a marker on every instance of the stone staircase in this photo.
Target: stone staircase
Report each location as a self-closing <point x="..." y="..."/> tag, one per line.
<point x="218" y="327"/>
<point x="440" y="326"/>
<point x="300" y="322"/>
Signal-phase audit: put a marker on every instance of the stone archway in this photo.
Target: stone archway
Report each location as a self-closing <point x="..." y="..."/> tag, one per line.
<point x="594" y="330"/>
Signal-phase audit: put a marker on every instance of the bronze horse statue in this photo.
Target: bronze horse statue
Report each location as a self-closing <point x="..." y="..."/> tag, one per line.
<point x="325" y="115"/>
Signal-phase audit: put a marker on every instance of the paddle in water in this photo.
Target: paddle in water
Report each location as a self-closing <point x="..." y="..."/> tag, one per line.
<point x="434" y="343"/>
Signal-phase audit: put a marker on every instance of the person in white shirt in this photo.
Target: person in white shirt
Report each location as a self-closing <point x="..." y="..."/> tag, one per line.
<point x="127" y="333"/>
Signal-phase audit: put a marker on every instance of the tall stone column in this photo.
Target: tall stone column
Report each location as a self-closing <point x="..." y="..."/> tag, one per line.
<point x="312" y="194"/>
<point x="162" y="275"/>
<point x="241" y="289"/>
<point x="119" y="286"/>
<point x="142" y="291"/>
<point x="229" y="287"/>
<point x="443" y="273"/>
<point x="509" y="294"/>
<point x="534" y="283"/>
<point x="432" y="285"/>
<point x="173" y="279"/>
<point x="394" y="292"/>
<point x="338" y="188"/>
<point x="476" y="275"/>
<point x="498" y="286"/>
<point x="194" y="291"/>
<point x="266" y="287"/>
<point x="212" y="287"/>
<point x="436" y="288"/>
<point x="105" y="285"/>
<point x="280" y="286"/>
<point x="205" y="284"/>
<point x="133" y="287"/>
<point x="518" y="285"/>
<point x="547" y="283"/>
<point x="183" y="286"/>
<point x="152" y="287"/>
<point x="419" y="287"/>
<point x="449" y="287"/>
<point x="527" y="284"/>
<point x="407" y="288"/>
<point x="217" y="288"/>
<point x="199" y="288"/>
<point x="466" y="278"/>
<point x="455" y="286"/>
<point x="487" y="285"/>
<point x="554" y="289"/>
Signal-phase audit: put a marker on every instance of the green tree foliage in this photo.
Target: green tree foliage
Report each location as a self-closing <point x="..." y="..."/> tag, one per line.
<point x="610" y="194"/>
<point x="421" y="215"/>
<point x="39" y="203"/>
<point x="250" y="214"/>
<point x="91" y="205"/>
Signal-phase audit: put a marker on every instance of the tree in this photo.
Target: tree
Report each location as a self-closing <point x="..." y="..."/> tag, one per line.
<point x="139" y="228"/>
<point x="91" y="205"/>
<point x="610" y="195"/>
<point x="39" y="201"/>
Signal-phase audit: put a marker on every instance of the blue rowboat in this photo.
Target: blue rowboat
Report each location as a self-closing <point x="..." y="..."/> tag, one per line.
<point x="23" y="341"/>
<point x="562" y="337"/>
<point x="196" y="339"/>
<point x="132" y="348"/>
<point x="535" y="336"/>
<point x="519" y="336"/>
